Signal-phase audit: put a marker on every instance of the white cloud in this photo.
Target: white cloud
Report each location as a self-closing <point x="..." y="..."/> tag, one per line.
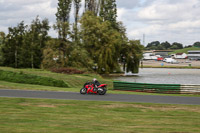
<point x="13" y="12"/>
<point x="162" y="20"/>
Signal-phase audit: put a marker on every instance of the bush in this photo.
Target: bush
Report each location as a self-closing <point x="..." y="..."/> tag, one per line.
<point x="67" y="70"/>
<point x="30" y="79"/>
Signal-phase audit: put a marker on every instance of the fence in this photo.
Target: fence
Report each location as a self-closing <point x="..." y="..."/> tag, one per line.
<point x="156" y="88"/>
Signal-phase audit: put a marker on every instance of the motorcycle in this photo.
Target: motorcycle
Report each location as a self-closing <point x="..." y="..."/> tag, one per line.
<point x="89" y="88"/>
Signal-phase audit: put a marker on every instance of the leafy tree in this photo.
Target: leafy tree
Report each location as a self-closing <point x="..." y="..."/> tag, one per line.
<point x="160" y="47"/>
<point x="62" y="17"/>
<point x="13" y="44"/>
<point x="166" y="45"/>
<point x="153" y="45"/>
<point x="189" y="46"/>
<point x="176" y="45"/>
<point x="77" y="5"/>
<point x="51" y="58"/>
<point x="101" y="41"/>
<point x="77" y="57"/>
<point x="63" y="10"/>
<point x="2" y="43"/>
<point x="2" y="37"/>
<point x="23" y="46"/>
<point x="80" y="58"/>
<point x="92" y="5"/>
<point x="196" y="44"/>
<point x="109" y="11"/>
<point x="132" y="54"/>
<point x="35" y="40"/>
<point x="63" y="27"/>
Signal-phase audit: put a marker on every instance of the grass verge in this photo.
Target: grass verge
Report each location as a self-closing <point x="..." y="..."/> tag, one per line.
<point x="30" y="79"/>
<point x="45" y="115"/>
<point x="73" y="80"/>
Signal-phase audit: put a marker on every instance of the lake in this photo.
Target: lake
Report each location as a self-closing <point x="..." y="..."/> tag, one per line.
<point x="164" y="75"/>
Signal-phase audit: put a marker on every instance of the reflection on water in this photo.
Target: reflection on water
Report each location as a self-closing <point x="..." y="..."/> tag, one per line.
<point x="164" y="75"/>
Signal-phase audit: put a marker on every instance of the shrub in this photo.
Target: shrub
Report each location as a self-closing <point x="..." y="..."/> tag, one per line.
<point x="67" y="70"/>
<point x="30" y="79"/>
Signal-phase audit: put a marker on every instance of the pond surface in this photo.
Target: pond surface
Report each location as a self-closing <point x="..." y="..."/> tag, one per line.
<point x="164" y="75"/>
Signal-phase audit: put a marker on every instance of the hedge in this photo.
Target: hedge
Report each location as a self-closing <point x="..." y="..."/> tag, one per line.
<point x="30" y="79"/>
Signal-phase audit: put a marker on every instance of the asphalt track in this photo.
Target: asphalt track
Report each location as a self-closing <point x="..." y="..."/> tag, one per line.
<point x="107" y="97"/>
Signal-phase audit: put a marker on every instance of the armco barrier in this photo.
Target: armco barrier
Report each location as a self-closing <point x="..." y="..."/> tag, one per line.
<point x="156" y="88"/>
<point x="190" y="89"/>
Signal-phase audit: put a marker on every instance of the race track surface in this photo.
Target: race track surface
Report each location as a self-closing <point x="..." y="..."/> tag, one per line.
<point x="107" y="97"/>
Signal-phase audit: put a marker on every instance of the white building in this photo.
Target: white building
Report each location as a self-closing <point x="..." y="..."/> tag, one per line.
<point x="149" y="56"/>
<point x="194" y="54"/>
<point x="179" y="56"/>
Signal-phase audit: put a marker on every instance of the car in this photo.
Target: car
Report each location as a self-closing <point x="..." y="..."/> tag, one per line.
<point x="174" y="61"/>
<point x="159" y="59"/>
<point x="170" y="60"/>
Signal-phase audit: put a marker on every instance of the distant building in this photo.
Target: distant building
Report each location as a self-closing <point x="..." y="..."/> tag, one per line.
<point x="179" y="56"/>
<point x="155" y="54"/>
<point x="149" y="56"/>
<point x="194" y="54"/>
<point x="162" y="53"/>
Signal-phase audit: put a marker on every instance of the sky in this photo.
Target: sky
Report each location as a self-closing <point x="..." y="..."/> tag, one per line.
<point x="146" y="20"/>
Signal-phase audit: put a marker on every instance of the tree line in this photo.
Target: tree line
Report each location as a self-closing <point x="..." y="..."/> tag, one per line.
<point x="95" y="40"/>
<point x="156" y="45"/>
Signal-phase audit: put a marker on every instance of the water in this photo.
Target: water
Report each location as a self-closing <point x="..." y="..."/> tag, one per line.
<point x="164" y="75"/>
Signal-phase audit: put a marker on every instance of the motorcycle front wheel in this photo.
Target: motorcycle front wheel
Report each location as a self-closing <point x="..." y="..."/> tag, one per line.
<point x="101" y="91"/>
<point x="83" y="91"/>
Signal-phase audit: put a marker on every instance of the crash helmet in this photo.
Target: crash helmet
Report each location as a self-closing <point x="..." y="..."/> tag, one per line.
<point x="94" y="79"/>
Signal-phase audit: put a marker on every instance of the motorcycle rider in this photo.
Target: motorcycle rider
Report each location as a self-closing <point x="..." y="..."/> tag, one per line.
<point x="96" y="84"/>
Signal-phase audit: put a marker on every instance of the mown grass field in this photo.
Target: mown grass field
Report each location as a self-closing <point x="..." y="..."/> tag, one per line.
<point x="21" y="115"/>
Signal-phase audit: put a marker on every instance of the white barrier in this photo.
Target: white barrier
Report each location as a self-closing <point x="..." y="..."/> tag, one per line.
<point x="190" y="88"/>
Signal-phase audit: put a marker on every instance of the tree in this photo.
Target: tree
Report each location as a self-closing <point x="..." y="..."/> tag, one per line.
<point x="160" y="47"/>
<point x="131" y="55"/>
<point x="196" y="44"/>
<point x="101" y="41"/>
<point x="176" y="45"/>
<point x="109" y="11"/>
<point x="35" y="41"/>
<point x="12" y="48"/>
<point x="2" y="43"/>
<point x="62" y="17"/>
<point x="2" y="38"/>
<point x="166" y="45"/>
<point x="63" y="27"/>
<point x="51" y="55"/>
<point x="153" y="45"/>
<point x="77" y="6"/>
<point x="92" y="5"/>
<point x="23" y="45"/>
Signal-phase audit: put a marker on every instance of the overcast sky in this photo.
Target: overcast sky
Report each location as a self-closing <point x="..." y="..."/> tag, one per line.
<point x="159" y="20"/>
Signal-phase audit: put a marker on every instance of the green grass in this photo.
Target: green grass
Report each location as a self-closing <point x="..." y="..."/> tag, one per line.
<point x="73" y="80"/>
<point x="17" y="77"/>
<point x="21" y="115"/>
<point x="185" y="50"/>
<point x="10" y="85"/>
